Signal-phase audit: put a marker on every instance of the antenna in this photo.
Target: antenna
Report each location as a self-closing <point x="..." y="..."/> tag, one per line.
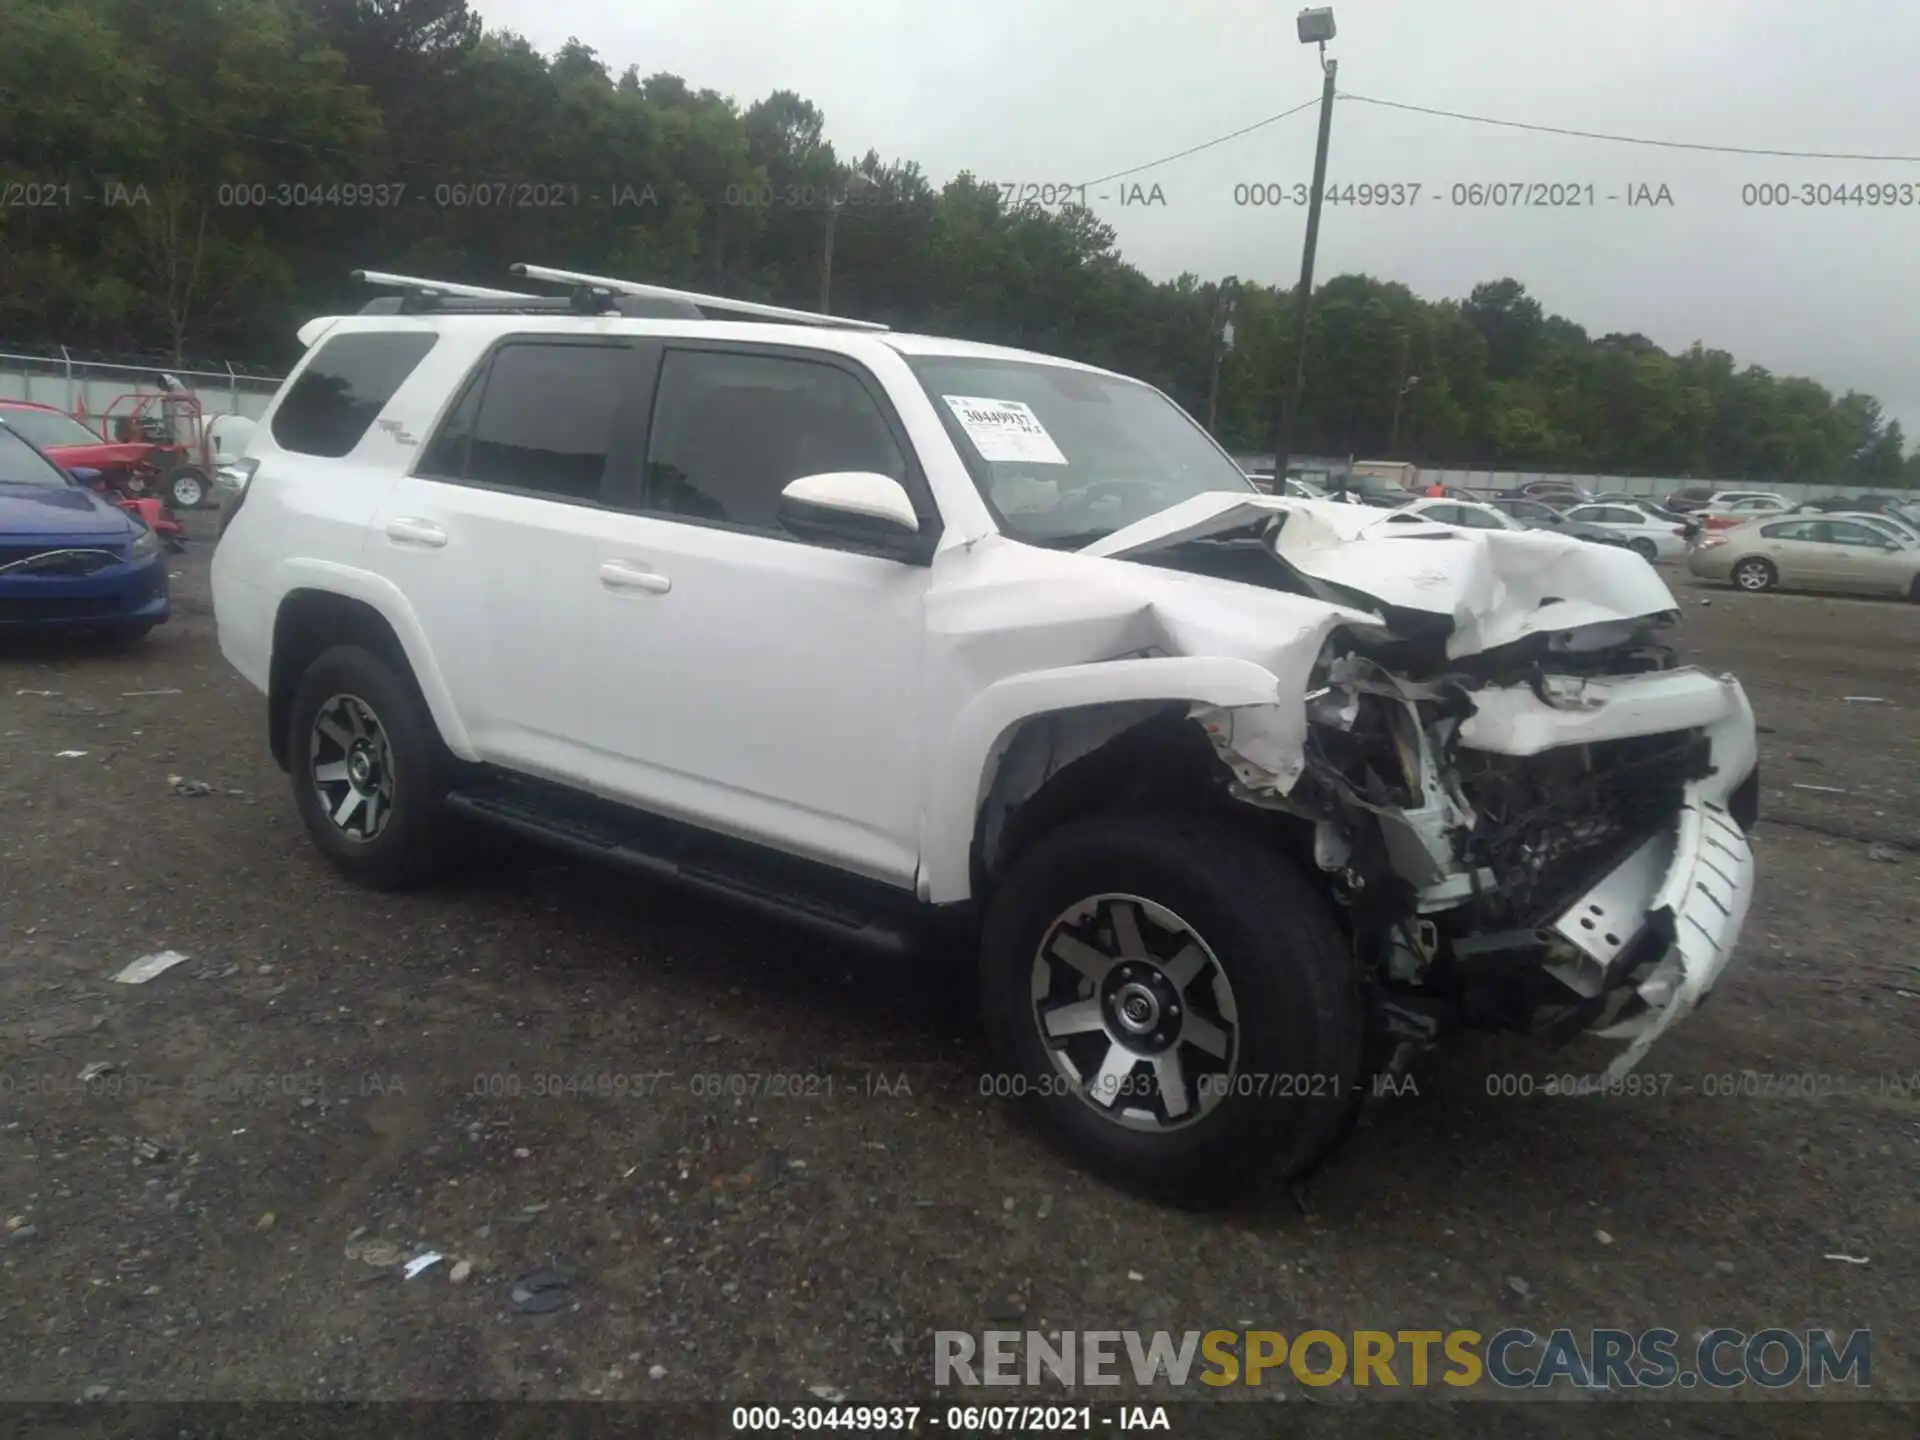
<point x="705" y="302"/>
<point x="437" y="287"/>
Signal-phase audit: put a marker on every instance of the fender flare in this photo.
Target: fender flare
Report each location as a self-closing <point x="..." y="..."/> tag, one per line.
<point x="960" y="774"/>
<point x="385" y="598"/>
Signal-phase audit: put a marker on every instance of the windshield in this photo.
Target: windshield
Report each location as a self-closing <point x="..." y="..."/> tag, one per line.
<point x="49" y="427"/>
<point x="21" y="464"/>
<point x="1065" y="456"/>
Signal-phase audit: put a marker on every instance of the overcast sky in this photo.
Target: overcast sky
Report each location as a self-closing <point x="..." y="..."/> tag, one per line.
<point x="1064" y="91"/>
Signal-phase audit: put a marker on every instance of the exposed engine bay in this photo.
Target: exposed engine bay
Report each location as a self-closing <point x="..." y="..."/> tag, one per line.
<point x="1545" y="834"/>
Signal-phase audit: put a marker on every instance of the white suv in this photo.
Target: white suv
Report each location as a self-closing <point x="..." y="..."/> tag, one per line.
<point x="1244" y="799"/>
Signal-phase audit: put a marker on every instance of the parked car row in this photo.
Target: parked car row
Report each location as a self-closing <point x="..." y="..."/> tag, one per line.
<point x="1859" y="554"/>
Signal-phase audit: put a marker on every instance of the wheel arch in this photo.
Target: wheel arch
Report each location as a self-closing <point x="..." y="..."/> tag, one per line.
<point x="1019" y="735"/>
<point x="344" y="607"/>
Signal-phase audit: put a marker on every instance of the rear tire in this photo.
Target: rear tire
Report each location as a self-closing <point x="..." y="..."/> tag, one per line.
<point x="370" y="773"/>
<point x="1754" y="575"/>
<point x="1645" y="549"/>
<point x="1263" y="1018"/>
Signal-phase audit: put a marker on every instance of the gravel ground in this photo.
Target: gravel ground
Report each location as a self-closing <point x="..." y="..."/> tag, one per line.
<point x="510" y="1071"/>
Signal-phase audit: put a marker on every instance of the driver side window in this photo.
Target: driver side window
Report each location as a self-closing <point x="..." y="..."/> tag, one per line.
<point x="731" y="430"/>
<point x="1842" y="532"/>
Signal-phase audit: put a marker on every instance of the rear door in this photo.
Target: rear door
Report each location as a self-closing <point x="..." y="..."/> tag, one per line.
<point x="1801" y="550"/>
<point x="493" y="539"/>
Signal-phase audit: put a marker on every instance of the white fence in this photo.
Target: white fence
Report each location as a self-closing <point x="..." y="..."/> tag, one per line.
<point x="70" y="385"/>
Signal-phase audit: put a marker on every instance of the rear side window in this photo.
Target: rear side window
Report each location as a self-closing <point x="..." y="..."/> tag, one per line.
<point x="1798" y="530"/>
<point x="731" y="431"/>
<point x="344" y="388"/>
<point x="539" y="416"/>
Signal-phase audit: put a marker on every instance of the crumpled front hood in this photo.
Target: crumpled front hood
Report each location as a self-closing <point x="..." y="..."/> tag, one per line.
<point x="1493" y="586"/>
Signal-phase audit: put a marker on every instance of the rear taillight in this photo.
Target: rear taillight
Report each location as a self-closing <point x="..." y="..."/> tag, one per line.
<point x="233" y="482"/>
<point x="1680" y="530"/>
<point x="1707" y="542"/>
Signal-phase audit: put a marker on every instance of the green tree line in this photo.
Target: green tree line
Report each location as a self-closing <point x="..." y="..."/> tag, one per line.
<point x="196" y="178"/>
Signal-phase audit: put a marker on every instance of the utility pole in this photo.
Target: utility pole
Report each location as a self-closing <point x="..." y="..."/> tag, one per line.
<point x="826" y="258"/>
<point x="855" y="183"/>
<point x="1315" y="27"/>
<point x="1222" y="342"/>
<point x="1407" y="382"/>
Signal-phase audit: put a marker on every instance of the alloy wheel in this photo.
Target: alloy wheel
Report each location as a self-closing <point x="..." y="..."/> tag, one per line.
<point x="351" y="764"/>
<point x="1135" y="1012"/>
<point x="1751" y="577"/>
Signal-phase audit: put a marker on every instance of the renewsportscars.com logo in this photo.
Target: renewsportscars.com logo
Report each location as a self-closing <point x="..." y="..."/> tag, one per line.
<point x="1513" y="1359"/>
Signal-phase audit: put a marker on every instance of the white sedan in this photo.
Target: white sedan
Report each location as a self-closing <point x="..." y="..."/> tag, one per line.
<point x="1645" y="533"/>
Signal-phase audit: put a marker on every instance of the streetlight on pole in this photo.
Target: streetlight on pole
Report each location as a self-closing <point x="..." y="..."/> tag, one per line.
<point x="1315" y="27"/>
<point x="1393" y="439"/>
<point x="856" y="183"/>
<point x="1407" y="382"/>
<point x="1222" y="342"/>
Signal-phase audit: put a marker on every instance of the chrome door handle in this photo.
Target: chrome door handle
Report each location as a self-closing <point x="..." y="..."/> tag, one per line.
<point x="626" y="575"/>
<point x="408" y="531"/>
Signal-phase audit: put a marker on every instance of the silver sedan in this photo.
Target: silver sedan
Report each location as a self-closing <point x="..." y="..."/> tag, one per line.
<point x="1810" y="553"/>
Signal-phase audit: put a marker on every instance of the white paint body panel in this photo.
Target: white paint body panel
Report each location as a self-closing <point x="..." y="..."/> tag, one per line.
<point x="853" y="710"/>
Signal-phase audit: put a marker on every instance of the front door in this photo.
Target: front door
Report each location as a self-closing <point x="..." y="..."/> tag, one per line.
<point x="742" y="678"/>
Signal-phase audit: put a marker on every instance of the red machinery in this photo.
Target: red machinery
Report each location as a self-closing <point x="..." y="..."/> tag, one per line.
<point x="179" y="459"/>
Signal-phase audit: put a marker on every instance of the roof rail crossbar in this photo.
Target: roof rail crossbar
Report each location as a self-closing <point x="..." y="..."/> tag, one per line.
<point x="694" y="297"/>
<point x="438" y="287"/>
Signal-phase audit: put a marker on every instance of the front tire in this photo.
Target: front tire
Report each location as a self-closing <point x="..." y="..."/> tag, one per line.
<point x="1754" y="575"/>
<point x="370" y="772"/>
<point x="1174" y="1001"/>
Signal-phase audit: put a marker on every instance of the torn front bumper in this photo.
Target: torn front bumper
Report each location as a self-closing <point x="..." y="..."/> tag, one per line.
<point x="1688" y="891"/>
<point x="1652" y="938"/>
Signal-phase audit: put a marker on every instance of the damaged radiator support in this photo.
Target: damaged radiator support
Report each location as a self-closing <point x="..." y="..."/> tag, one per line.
<point x="1549" y="825"/>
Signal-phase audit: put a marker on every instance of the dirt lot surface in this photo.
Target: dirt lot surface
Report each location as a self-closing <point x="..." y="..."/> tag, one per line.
<point x="514" y="1071"/>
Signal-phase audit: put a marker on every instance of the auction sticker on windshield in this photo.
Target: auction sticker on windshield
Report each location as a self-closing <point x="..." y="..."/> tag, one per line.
<point x="1005" y="430"/>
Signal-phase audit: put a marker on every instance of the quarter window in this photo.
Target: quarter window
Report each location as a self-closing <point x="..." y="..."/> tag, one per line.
<point x="344" y="388"/>
<point x="730" y="431"/>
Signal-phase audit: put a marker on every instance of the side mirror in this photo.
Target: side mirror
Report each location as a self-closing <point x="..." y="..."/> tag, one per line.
<point x="855" y="509"/>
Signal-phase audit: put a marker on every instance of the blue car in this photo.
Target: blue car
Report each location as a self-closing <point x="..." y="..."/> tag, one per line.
<point x="70" y="559"/>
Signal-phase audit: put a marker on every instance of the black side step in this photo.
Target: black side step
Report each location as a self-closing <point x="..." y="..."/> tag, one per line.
<point x="847" y="908"/>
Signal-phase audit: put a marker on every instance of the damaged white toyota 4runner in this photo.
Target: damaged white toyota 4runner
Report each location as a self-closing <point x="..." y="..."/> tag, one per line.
<point x="1245" y="799"/>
